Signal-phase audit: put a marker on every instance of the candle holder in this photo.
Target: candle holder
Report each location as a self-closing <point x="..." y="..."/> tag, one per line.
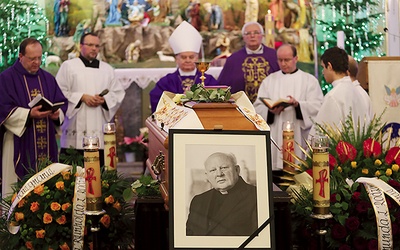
<point x="288" y="145"/>
<point x="321" y="187"/>
<point x="202" y="67"/>
<point x="110" y="147"/>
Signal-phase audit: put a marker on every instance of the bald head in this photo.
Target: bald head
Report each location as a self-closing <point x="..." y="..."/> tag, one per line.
<point x="353" y="68"/>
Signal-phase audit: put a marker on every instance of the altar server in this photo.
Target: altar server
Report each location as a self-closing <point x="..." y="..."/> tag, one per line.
<point x="304" y="94"/>
<point x="186" y="42"/>
<point x="245" y="69"/>
<point x="93" y="93"/>
<point x="27" y="135"/>
<point x="343" y="98"/>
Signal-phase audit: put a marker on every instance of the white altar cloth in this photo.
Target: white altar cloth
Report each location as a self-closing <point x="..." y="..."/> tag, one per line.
<point x="144" y="76"/>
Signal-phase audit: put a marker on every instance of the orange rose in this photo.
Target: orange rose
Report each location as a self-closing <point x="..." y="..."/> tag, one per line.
<point x="39" y="189"/>
<point x="61" y="220"/>
<point x="55" y="206"/>
<point x="35" y="206"/>
<point x="66" y="175"/>
<point x="64" y="246"/>
<point x="109" y="200"/>
<point x="21" y="203"/>
<point x="60" y="185"/>
<point x="47" y="218"/>
<point x="13" y="197"/>
<point x="40" y="234"/>
<point x="19" y="216"/>
<point x="65" y="206"/>
<point x="105" y="220"/>
<point x="117" y="206"/>
<point x="29" y="245"/>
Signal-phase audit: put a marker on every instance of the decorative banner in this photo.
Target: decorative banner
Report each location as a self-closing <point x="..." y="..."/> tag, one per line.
<point x="78" y="202"/>
<point x="110" y="146"/>
<point x="376" y="190"/>
<point x="321" y="178"/>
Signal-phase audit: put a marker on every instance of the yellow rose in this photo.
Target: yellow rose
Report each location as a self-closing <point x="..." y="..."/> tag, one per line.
<point x="395" y="167"/>
<point x="388" y="172"/>
<point x="377" y="173"/>
<point x="39" y="189"/>
<point x="177" y="98"/>
<point x="21" y="203"/>
<point x="354" y="164"/>
<point x="365" y="171"/>
<point x="377" y="162"/>
<point x="117" y="206"/>
<point x="339" y="168"/>
<point x="66" y="175"/>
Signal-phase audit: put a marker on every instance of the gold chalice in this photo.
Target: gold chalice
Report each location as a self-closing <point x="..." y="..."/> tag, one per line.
<point x="202" y="67"/>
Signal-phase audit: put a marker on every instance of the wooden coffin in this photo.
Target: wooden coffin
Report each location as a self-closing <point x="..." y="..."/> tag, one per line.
<point x="212" y="116"/>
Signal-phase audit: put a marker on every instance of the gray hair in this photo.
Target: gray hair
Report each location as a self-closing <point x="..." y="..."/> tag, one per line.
<point x="250" y="23"/>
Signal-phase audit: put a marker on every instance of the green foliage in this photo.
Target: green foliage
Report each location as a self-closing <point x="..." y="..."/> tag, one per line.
<point x="201" y="94"/>
<point x="19" y="19"/>
<point x="146" y="186"/>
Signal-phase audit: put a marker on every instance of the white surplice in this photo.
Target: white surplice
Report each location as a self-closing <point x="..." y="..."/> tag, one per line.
<point x="338" y="103"/>
<point x="366" y="100"/>
<point x="75" y="80"/>
<point x="305" y="88"/>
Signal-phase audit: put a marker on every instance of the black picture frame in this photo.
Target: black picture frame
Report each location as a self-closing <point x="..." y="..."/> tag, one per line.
<point x="188" y="150"/>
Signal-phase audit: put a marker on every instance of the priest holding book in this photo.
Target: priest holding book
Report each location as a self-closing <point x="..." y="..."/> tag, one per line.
<point x="27" y="135"/>
<point x="301" y="90"/>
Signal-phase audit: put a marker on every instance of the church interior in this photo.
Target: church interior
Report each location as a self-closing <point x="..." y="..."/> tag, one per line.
<point x="342" y="192"/>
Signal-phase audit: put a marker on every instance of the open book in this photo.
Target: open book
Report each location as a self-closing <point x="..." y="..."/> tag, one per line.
<point x="275" y="103"/>
<point x="46" y="104"/>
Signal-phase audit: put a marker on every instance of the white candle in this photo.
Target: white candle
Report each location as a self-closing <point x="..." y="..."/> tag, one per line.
<point x="340" y="39"/>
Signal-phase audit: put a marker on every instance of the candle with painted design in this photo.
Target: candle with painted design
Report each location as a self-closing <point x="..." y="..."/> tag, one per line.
<point x="288" y="145"/>
<point x="110" y="146"/>
<point x="92" y="173"/>
<point x="269" y="30"/>
<point x="321" y="178"/>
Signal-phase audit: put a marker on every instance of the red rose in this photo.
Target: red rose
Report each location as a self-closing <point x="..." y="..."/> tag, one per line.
<point x="344" y="247"/>
<point x="395" y="184"/>
<point x="360" y="243"/>
<point x="372" y="244"/>
<point x="338" y="232"/>
<point x="393" y="155"/>
<point x="362" y="206"/>
<point x="352" y="223"/>
<point x="346" y="151"/>
<point x="356" y="196"/>
<point x="371" y="147"/>
<point x="333" y="198"/>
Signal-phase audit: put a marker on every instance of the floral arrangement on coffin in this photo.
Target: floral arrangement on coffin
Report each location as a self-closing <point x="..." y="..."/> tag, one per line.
<point x="352" y="154"/>
<point x="136" y="144"/>
<point x="199" y="93"/>
<point x="144" y="187"/>
<point x="45" y="215"/>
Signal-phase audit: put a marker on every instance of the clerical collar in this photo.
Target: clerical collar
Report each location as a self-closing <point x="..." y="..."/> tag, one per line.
<point x="190" y="73"/>
<point x="90" y="64"/>
<point x="291" y="72"/>
<point x="260" y="50"/>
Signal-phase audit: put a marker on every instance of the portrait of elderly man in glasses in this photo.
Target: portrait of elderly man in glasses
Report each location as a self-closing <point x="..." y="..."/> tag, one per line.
<point x="246" y="68"/>
<point x="229" y="208"/>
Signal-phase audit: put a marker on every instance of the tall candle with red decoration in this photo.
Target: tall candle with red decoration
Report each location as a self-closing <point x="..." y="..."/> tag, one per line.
<point x="288" y="145"/>
<point x="321" y="178"/>
<point x="110" y="146"/>
<point x="92" y="173"/>
<point x="269" y="30"/>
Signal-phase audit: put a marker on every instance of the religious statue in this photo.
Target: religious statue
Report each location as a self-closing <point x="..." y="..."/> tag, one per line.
<point x="114" y="14"/>
<point x="61" y="10"/>
<point x="194" y="13"/>
<point x="135" y="12"/>
<point x="132" y="52"/>
<point x="251" y="13"/>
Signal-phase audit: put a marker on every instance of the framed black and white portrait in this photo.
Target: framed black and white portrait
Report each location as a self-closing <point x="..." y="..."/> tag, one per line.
<point x="220" y="188"/>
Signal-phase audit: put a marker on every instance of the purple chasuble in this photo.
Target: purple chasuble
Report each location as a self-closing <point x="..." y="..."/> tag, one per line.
<point x="38" y="142"/>
<point x="175" y="83"/>
<point x="245" y="72"/>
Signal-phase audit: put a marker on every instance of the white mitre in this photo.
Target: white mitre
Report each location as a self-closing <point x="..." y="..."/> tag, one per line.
<point x="185" y="38"/>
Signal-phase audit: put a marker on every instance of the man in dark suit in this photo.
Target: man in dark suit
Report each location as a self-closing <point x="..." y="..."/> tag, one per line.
<point x="230" y="207"/>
